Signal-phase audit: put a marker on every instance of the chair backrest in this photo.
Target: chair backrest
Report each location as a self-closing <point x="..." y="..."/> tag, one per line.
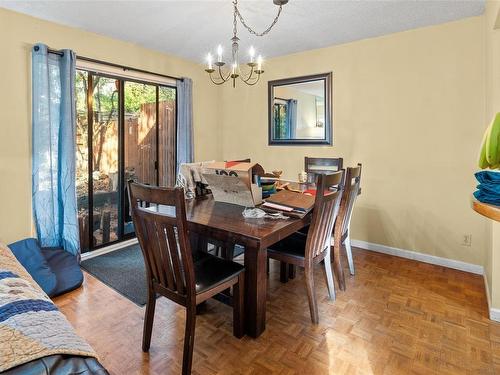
<point x="159" y="216"/>
<point x="352" y="186"/>
<point x="315" y="166"/>
<point x="326" y="207"/>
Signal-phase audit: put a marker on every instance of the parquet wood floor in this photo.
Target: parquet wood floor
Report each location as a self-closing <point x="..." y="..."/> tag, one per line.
<point x="397" y="317"/>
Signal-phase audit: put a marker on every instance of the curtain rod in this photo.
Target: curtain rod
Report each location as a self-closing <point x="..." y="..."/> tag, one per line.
<point x="60" y="53"/>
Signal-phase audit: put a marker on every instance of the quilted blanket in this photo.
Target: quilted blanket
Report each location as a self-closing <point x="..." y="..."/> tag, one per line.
<point x="31" y="326"/>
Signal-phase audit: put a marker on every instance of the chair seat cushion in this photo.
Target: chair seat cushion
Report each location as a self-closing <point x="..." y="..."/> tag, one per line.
<point x="293" y="245"/>
<point x="66" y="268"/>
<point x="29" y="254"/>
<point x="211" y="271"/>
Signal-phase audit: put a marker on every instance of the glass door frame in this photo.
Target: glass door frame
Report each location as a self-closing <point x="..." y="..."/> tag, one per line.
<point x="121" y="150"/>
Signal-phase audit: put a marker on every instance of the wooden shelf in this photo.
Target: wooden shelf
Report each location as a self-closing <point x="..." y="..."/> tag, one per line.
<point x="488" y="210"/>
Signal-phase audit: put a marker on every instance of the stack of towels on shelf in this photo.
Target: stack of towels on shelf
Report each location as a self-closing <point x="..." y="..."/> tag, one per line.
<point x="488" y="190"/>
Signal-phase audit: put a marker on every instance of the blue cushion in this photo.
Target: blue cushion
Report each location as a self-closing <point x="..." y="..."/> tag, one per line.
<point x="29" y="254"/>
<point x="66" y="267"/>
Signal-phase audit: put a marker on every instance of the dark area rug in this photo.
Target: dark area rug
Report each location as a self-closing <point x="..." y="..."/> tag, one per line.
<point x="123" y="270"/>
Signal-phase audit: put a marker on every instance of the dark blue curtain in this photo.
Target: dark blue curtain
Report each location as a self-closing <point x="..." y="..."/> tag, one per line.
<point x="291" y="118"/>
<point x="53" y="148"/>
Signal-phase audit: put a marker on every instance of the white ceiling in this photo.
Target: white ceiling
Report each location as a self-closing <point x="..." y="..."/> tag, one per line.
<point x="190" y="29"/>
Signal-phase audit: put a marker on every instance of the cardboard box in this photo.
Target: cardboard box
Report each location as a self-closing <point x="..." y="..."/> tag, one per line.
<point x="234" y="182"/>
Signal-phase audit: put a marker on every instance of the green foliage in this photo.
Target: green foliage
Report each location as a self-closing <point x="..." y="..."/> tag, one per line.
<point x="106" y="94"/>
<point x="137" y="94"/>
<point x="280" y="126"/>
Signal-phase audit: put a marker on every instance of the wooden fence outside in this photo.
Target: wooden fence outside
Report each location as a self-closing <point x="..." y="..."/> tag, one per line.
<point x="140" y="146"/>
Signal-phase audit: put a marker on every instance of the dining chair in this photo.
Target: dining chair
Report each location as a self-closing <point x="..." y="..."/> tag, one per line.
<point x="341" y="231"/>
<point x="172" y="270"/>
<point x="315" y="166"/>
<point x="228" y="250"/>
<point x="306" y="250"/>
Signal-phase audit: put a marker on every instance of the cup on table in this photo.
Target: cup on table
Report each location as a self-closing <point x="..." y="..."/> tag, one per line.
<point x="302" y="177"/>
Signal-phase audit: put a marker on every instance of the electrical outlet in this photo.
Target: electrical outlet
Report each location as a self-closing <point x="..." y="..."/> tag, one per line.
<point x="467" y="240"/>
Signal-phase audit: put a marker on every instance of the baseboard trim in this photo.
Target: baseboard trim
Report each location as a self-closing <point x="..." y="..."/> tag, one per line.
<point x="431" y="259"/>
<point x="493" y="313"/>
<point x="108" y="249"/>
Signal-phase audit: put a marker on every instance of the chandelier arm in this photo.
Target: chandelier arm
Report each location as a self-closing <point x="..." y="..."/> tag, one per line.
<point x="215" y="82"/>
<point x="222" y="77"/>
<point x="250" y="75"/>
<point x="254" y="82"/>
<point x="250" y="30"/>
<point x="251" y="80"/>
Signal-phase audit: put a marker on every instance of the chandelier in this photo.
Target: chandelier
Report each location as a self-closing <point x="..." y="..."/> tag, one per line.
<point x="220" y="75"/>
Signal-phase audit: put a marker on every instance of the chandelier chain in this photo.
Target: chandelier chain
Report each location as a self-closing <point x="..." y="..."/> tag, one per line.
<point x="250" y="30"/>
<point x="235" y="4"/>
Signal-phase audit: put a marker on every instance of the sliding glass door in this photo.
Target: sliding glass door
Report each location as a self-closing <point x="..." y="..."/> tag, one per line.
<point x="125" y="131"/>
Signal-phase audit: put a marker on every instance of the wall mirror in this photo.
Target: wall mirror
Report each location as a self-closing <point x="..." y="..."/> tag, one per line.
<point x="300" y="110"/>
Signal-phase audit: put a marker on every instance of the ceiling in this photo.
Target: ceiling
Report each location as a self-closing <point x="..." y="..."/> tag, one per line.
<point x="190" y="29"/>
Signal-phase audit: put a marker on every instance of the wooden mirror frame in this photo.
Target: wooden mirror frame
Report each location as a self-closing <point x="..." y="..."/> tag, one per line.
<point x="328" y="140"/>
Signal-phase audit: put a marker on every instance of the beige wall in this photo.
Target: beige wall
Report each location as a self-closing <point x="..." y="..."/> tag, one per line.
<point x="17" y="34"/>
<point x="410" y="107"/>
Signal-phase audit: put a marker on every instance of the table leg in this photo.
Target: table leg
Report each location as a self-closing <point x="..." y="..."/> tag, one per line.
<point x="255" y="290"/>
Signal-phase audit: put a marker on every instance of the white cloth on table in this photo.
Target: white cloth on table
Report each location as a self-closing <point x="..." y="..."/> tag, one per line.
<point x="189" y="174"/>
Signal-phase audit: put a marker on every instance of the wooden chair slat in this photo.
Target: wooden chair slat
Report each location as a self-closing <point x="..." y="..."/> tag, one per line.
<point x="176" y="261"/>
<point x="168" y="267"/>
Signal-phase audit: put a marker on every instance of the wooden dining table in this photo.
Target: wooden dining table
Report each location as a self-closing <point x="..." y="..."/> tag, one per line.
<point x="225" y="223"/>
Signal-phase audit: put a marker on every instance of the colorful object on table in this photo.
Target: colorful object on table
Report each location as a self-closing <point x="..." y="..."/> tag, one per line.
<point x="280" y="186"/>
<point x="230" y="164"/>
<point x="268" y="187"/>
<point x="489" y="156"/>
<point x="311" y="192"/>
<point x="303" y="177"/>
<point x="488" y="190"/>
<point x="277" y="173"/>
<point x="287" y="187"/>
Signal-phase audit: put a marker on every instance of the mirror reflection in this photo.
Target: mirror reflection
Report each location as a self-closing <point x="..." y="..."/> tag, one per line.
<point x="299" y="112"/>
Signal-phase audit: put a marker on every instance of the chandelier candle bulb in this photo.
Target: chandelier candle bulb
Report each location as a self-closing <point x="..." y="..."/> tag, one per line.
<point x="209" y="59"/>
<point x="219" y="53"/>
<point x="252" y="54"/>
<point x="259" y="63"/>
